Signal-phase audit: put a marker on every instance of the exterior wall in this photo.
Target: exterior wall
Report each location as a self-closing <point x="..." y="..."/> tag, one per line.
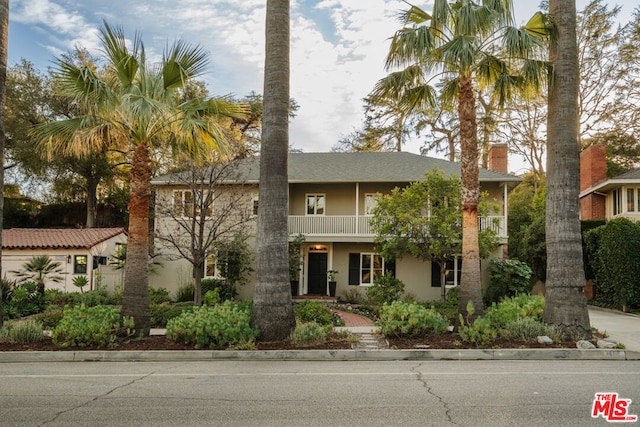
<point x="593" y="166"/>
<point x="593" y="206"/>
<point x="104" y="276"/>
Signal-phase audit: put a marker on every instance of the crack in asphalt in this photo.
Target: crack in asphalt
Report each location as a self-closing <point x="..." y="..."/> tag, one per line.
<point x="429" y="390"/>
<point x="94" y="399"/>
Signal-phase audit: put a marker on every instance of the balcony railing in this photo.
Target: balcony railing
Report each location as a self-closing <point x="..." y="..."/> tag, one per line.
<point x="350" y="225"/>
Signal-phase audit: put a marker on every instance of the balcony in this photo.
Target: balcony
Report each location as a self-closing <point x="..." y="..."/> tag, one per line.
<point x="358" y="226"/>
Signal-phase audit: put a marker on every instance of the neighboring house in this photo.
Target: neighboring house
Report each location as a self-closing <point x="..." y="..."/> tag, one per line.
<point x="602" y="198"/>
<point x="331" y="196"/>
<point x="83" y="252"/>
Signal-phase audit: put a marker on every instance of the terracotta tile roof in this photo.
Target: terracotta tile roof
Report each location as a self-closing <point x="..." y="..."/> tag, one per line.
<point x="56" y="238"/>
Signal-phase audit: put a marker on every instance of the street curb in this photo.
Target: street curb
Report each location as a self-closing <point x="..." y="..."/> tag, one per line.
<point x="315" y="355"/>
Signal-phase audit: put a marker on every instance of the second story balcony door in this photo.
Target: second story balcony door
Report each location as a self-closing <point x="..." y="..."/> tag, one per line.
<point x="317" y="273"/>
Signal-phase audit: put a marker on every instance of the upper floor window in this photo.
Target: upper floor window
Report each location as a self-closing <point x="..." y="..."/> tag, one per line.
<point x="185" y="205"/>
<point x="315" y="204"/>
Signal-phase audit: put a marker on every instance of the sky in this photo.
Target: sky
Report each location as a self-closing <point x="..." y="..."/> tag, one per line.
<point x="338" y="47"/>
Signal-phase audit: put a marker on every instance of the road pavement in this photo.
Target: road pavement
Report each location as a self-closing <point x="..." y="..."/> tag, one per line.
<point x="292" y="393"/>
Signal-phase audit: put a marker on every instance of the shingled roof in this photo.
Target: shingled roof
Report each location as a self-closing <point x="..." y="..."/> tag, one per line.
<point x="356" y="167"/>
<point x="56" y="238"/>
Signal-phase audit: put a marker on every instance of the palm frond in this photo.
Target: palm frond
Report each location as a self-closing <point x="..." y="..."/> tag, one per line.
<point x="126" y="64"/>
<point x="409" y="45"/>
<point x="519" y="43"/>
<point x="181" y="62"/>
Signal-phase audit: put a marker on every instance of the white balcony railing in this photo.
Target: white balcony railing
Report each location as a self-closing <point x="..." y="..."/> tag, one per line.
<point x="350" y="225"/>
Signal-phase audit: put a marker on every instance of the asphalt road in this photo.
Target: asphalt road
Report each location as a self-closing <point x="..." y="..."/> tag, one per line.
<point x="292" y="393"/>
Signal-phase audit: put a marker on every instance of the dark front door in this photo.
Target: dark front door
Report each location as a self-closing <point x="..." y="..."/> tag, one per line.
<point x="317" y="279"/>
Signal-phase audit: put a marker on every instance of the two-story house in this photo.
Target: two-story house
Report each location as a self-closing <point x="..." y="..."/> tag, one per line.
<point x="602" y="198"/>
<point x="331" y="196"/>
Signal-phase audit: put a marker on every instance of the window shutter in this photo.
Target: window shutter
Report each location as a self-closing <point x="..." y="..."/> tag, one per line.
<point x="435" y="275"/>
<point x="390" y="266"/>
<point x="354" y="269"/>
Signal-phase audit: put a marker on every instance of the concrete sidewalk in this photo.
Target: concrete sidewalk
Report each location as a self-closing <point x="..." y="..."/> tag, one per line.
<point x="622" y="327"/>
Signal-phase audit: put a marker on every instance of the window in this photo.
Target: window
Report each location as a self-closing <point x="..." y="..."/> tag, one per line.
<point x="453" y="267"/>
<point x="315" y="204"/>
<point x="365" y="267"/>
<point x="370" y="203"/>
<point x="254" y="212"/>
<point x="79" y="264"/>
<point x="631" y="203"/>
<point x="184" y="204"/>
<point x="210" y="266"/>
<point x="99" y="260"/>
<point x="617" y="201"/>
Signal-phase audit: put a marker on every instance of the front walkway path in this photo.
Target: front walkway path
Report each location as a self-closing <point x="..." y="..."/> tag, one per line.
<point x="363" y="328"/>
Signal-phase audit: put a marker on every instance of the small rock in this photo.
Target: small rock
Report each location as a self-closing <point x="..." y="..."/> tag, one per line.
<point x="607" y="343"/>
<point x="544" y="340"/>
<point x="585" y="345"/>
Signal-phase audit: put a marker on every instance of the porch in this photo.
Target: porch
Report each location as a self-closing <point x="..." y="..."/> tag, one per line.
<point x="354" y="225"/>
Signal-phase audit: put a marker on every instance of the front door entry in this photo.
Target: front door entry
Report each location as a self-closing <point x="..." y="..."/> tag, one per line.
<point x="317" y="278"/>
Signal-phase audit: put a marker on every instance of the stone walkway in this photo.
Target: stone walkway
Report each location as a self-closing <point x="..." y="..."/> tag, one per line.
<point x="363" y="328"/>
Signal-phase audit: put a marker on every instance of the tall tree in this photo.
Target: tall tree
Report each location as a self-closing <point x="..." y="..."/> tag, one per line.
<point x="272" y="308"/>
<point x="203" y="213"/>
<point x="565" y="302"/>
<point x="135" y="105"/>
<point x="4" y="42"/>
<point x="469" y="45"/>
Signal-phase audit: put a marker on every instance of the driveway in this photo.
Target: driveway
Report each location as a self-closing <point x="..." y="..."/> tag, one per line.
<point x="622" y="327"/>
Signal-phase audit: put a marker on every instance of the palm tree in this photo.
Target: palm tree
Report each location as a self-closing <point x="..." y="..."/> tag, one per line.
<point x="40" y="269"/>
<point x="4" y="42"/>
<point x="272" y="309"/>
<point x="464" y="43"/>
<point x="565" y="302"/>
<point x="135" y="105"/>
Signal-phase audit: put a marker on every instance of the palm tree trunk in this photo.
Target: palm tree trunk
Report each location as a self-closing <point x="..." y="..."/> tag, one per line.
<point x="470" y="276"/>
<point x="135" y="301"/>
<point x="4" y="42"/>
<point x="565" y="302"/>
<point x="92" y="201"/>
<point x="272" y="308"/>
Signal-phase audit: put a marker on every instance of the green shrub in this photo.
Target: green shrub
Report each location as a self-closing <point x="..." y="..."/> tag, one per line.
<point x="162" y="313"/>
<point x="315" y="311"/>
<point x="386" y="289"/>
<point x="158" y="296"/>
<point x="98" y="326"/>
<point x="185" y="293"/>
<point x="310" y="333"/>
<point x="482" y="332"/>
<point x="613" y="250"/>
<point x="94" y="298"/>
<point x="22" y="332"/>
<point x="226" y="290"/>
<point x="529" y="329"/>
<point x="60" y="298"/>
<point x="224" y="325"/>
<point x="211" y="298"/>
<point x="400" y="319"/>
<point x="507" y="278"/>
<point x="50" y="317"/>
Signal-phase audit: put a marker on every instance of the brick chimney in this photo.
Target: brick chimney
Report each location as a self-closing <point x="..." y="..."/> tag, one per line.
<point x="498" y="158"/>
<point x="593" y="170"/>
